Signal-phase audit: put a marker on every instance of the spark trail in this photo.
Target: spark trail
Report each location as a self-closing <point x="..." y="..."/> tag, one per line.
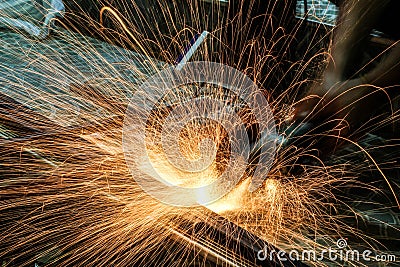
<point x="67" y="196"/>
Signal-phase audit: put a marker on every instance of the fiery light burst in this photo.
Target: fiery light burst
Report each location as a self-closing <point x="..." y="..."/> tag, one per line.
<point x="67" y="196"/>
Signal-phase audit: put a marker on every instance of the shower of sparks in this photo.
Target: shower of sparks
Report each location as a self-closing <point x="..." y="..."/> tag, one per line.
<point x="67" y="197"/>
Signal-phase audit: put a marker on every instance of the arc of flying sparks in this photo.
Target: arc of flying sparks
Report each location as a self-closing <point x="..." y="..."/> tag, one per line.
<point x="373" y="161"/>
<point x="118" y="18"/>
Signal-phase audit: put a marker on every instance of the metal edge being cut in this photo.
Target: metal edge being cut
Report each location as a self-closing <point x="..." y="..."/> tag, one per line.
<point x="147" y="96"/>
